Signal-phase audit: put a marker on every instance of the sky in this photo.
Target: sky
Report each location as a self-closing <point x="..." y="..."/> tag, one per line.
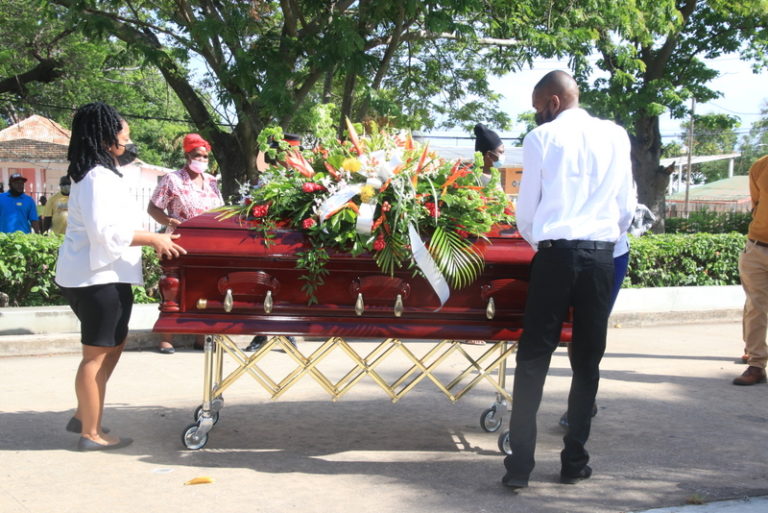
<point x="743" y="94"/>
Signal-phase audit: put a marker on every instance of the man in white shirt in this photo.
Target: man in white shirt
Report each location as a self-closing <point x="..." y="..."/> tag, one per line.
<point x="576" y="198"/>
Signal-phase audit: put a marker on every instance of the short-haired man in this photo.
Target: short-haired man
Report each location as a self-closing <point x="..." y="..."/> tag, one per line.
<point x="753" y="271"/>
<point x="576" y="197"/>
<point x="18" y="212"/>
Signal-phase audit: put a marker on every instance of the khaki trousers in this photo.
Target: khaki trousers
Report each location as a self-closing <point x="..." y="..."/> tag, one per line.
<point x="753" y="270"/>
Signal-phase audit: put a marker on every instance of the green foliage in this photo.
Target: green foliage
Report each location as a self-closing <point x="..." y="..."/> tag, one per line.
<point x="108" y="70"/>
<point x="28" y="268"/>
<point x="704" y="221"/>
<point x="684" y="260"/>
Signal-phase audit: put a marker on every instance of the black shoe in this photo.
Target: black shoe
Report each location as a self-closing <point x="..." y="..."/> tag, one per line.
<point x="584" y="473"/>
<point x="86" y="444"/>
<point x="513" y="482"/>
<point x="256" y="343"/>
<point x="75" y="426"/>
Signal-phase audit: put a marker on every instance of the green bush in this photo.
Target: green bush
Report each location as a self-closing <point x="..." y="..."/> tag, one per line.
<point x="704" y="221"/>
<point x="672" y="260"/>
<point x="28" y="267"/>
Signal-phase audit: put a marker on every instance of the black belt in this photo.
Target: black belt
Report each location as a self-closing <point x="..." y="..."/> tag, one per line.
<point x="577" y="244"/>
<point x="763" y="244"/>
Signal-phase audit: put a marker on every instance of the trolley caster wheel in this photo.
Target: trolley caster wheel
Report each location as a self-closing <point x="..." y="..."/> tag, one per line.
<point x="504" y="443"/>
<point x="199" y="413"/>
<point x="489" y="421"/>
<point x="218" y="403"/>
<point x="192" y="440"/>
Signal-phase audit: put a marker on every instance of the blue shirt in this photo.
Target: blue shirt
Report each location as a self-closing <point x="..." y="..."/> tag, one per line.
<point x="16" y="213"/>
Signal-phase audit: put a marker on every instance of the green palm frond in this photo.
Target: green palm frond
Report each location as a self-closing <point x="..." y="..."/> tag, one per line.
<point x="456" y="257"/>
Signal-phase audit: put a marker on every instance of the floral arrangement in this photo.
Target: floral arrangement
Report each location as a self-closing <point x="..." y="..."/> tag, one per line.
<point x="380" y="193"/>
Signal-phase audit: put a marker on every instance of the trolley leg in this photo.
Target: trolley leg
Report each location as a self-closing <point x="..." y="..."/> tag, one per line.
<point x="492" y="418"/>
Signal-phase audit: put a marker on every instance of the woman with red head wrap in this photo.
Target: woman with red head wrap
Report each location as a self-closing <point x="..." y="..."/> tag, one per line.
<point x="184" y="194"/>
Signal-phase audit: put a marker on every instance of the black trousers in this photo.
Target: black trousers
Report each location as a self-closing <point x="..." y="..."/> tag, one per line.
<point x="560" y="277"/>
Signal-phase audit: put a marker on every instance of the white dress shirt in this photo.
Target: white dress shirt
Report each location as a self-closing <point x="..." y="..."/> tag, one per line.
<point x="97" y="246"/>
<point x="577" y="180"/>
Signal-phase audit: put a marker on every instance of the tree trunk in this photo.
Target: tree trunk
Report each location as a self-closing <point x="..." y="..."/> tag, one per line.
<point x="650" y="177"/>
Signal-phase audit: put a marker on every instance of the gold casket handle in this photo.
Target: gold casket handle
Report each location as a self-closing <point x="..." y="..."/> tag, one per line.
<point x="399" y="305"/>
<point x="228" y="301"/>
<point x="359" y="305"/>
<point x="268" y="302"/>
<point x="490" y="310"/>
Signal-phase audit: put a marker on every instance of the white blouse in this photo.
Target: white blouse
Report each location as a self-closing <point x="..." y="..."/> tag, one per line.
<point x="97" y="245"/>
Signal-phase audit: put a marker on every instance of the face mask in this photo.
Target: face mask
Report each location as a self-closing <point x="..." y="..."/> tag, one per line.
<point x="129" y="155"/>
<point x="498" y="164"/>
<point x="65" y="190"/>
<point x="198" y="166"/>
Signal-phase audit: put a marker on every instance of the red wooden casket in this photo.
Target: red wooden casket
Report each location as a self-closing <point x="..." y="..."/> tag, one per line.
<point x="231" y="283"/>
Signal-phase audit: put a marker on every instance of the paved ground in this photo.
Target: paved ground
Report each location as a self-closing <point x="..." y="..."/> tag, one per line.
<point x="671" y="429"/>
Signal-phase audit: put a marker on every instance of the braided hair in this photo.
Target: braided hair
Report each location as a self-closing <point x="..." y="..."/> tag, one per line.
<point x="94" y="129"/>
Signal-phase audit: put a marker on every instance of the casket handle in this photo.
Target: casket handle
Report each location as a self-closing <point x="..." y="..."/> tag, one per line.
<point x="268" y="302"/>
<point x="359" y="304"/>
<point x="399" y="305"/>
<point x="228" y="301"/>
<point x="490" y="310"/>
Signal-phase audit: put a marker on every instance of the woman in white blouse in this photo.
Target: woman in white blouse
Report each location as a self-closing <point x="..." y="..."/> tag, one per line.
<point x="99" y="260"/>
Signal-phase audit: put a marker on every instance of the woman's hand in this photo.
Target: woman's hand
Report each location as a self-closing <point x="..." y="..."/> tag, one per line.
<point x="165" y="247"/>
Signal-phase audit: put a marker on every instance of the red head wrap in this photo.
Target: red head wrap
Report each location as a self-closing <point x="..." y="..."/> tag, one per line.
<point x="192" y="141"/>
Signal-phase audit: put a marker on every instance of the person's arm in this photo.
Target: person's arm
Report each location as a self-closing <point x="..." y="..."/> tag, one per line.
<point x="161" y="217"/>
<point x="34" y="219"/>
<point x="162" y="243"/>
<point x="529" y="195"/>
<point x="622" y="169"/>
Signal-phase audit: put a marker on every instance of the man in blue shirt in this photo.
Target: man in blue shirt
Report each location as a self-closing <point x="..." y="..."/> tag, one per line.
<point x="18" y="212"/>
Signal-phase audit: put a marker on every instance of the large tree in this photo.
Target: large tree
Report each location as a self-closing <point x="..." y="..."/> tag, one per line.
<point x="414" y="63"/>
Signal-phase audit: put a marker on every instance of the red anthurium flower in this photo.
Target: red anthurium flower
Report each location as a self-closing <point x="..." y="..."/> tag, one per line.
<point x="308" y="223"/>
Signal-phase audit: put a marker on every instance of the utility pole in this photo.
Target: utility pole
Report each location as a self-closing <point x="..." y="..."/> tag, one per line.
<point x="690" y="156"/>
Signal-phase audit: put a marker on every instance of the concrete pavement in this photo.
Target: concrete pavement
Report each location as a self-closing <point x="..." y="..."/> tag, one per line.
<point x="671" y="429"/>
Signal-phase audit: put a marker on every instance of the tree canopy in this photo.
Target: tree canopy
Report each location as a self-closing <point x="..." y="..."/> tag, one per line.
<point x="49" y="68"/>
<point x="412" y="63"/>
<point x="636" y="59"/>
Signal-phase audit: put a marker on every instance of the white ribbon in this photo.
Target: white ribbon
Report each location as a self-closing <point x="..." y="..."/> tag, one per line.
<point x="335" y="202"/>
<point x="365" y="218"/>
<point x="428" y="267"/>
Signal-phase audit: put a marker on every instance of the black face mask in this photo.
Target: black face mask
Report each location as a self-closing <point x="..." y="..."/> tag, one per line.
<point x="130" y="154"/>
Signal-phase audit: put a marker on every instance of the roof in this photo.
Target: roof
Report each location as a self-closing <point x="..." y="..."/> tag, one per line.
<point x="23" y="150"/>
<point x="728" y="189"/>
<point x="38" y="128"/>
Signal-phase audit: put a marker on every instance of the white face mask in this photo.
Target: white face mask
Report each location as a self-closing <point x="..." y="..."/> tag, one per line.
<point x="198" y="166"/>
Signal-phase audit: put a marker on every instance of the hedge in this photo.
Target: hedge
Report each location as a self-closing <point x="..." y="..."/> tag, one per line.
<point x="27" y="265"/>
<point x="705" y="221"/>
<point x="673" y="260"/>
